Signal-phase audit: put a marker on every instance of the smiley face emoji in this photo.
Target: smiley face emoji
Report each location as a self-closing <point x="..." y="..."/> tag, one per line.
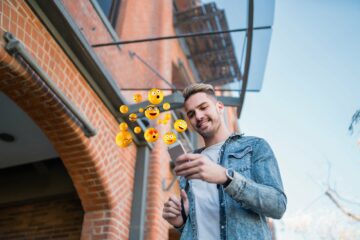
<point x="137" y="129"/>
<point x="123" y="126"/>
<point x="152" y="112"/>
<point x="167" y="116"/>
<point x="169" y="138"/>
<point x="151" y="135"/>
<point x="166" y="106"/>
<point x="155" y="96"/>
<point x="180" y="125"/>
<point x="123" y="139"/>
<point x="137" y="97"/>
<point x="124" y="109"/>
<point x="133" y="117"/>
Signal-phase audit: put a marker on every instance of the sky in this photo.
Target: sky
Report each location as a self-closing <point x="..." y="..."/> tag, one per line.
<point x="310" y="90"/>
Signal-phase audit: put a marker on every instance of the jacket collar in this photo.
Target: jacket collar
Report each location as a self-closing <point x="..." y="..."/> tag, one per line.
<point x="232" y="136"/>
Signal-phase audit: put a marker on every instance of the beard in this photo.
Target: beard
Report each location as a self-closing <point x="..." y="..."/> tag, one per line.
<point x="207" y="127"/>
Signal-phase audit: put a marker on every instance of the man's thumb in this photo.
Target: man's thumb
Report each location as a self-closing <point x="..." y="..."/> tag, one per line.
<point x="183" y="195"/>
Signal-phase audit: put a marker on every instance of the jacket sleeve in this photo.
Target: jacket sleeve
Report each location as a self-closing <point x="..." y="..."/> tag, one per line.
<point x="265" y="194"/>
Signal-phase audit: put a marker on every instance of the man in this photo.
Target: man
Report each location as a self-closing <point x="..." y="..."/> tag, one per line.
<point x="231" y="185"/>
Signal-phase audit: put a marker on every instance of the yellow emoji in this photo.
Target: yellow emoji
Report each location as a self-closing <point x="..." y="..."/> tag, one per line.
<point x="123" y="126"/>
<point x="180" y="125"/>
<point x="137" y="97"/>
<point x="133" y="117"/>
<point x="155" y="96"/>
<point x="123" y="139"/>
<point x="124" y="109"/>
<point x="137" y="130"/>
<point x="166" y="106"/>
<point x="151" y="135"/>
<point x="152" y="112"/>
<point x="167" y="116"/>
<point x="141" y="110"/>
<point x="169" y="138"/>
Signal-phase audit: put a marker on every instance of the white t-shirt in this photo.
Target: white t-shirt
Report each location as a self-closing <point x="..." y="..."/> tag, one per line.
<point x="206" y="196"/>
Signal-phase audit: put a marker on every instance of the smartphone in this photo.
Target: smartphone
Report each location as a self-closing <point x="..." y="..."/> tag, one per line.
<point x="175" y="150"/>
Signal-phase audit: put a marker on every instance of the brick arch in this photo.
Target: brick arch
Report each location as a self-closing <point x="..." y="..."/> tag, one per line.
<point x="98" y="179"/>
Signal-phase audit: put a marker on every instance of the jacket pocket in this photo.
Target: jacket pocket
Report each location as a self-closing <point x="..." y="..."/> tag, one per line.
<point x="241" y="161"/>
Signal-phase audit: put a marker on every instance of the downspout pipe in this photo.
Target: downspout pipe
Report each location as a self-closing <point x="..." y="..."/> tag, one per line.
<point x="15" y="48"/>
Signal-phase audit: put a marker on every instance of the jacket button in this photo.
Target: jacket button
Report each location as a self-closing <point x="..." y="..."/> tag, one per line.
<point x="222" y="226"/>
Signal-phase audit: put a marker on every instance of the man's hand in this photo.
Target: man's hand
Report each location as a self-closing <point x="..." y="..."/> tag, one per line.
<point x="198" y="166"/>
<point x="172" y="209"/>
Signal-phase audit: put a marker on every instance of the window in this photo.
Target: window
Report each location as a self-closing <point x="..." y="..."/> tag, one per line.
<point x="111" y="9"/>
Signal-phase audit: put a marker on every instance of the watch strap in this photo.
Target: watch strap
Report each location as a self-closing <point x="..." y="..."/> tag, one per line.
<point x="229" y="175"/>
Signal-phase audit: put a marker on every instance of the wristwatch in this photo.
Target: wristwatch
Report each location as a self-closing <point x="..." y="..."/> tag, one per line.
<point x="230" y="176"/>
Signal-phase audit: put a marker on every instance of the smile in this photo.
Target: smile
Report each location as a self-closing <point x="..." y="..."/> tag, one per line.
<point x="202" y="124"/>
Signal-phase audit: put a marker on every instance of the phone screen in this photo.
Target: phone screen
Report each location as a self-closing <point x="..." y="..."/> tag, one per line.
<point x="175" y="150"/>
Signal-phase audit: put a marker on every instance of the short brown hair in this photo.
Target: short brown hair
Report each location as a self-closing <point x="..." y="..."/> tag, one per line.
<point x="198" y="87"/>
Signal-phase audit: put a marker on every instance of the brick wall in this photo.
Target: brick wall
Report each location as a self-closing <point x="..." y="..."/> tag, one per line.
<point x="101" y="172"/>
<point x="57" y="218"/>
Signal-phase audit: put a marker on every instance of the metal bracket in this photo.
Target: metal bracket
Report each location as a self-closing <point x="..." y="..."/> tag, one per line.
<point x="11" y="43"/>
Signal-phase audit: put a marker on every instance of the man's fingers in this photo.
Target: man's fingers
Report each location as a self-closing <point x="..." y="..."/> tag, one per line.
<point x="176" y="201"/>
<point x="186" y="157"/>
<point x="169" y="215"/>
<point x="172" y="210"/>
<point x="172" y="204"/>
<point x="194" y="176"/>
<point x="186" y="165"/>
<point x="188" y="172"/>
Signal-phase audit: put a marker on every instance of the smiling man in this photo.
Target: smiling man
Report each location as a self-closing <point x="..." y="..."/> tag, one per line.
<point x="230" y="186"/>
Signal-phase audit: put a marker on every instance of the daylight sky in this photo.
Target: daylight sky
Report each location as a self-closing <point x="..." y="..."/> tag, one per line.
<point x="310" y="91"/>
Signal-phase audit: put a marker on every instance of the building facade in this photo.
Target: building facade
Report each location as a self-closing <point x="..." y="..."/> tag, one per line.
<point x="56" y="86"/>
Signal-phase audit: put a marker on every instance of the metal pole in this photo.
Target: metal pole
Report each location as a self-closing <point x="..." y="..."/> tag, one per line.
<point x="181" y="89"/>
<point x="248" y="54"/>
<point x="185" y="35"/>
<point x="138" y="211"/>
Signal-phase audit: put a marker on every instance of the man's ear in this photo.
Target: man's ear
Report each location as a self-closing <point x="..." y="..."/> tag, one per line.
<point x="220" y="106"/>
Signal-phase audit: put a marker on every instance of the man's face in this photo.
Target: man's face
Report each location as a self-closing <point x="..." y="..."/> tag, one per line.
<point x="204" y="113"/>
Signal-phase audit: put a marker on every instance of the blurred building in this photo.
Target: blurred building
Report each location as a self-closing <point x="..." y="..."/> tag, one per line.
<point x="61" y="174"/>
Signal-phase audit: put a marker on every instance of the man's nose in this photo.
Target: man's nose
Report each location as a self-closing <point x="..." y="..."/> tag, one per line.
<point x="199" y="115"/>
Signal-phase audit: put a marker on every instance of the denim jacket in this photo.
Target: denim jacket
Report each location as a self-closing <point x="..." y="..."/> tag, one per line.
<point x="256" y="192"/>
